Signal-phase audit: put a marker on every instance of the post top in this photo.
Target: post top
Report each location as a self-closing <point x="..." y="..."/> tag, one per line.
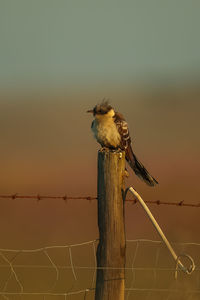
<point x="107" y="150"/>
<point x="106" y="153"/>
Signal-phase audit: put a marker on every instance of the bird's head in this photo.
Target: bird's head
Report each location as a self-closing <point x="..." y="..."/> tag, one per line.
<point x="102" y="110"/>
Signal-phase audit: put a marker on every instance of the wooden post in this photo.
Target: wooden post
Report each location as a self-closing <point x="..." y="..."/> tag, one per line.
<point x="111" y="247"/>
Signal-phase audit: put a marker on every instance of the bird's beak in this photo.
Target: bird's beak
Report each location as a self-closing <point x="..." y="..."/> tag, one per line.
<point x="90" y="111"/>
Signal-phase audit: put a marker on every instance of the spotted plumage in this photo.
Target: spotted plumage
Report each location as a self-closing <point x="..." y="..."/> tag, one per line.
<point x="111" y="130"/>
<point x="122" y="128"/>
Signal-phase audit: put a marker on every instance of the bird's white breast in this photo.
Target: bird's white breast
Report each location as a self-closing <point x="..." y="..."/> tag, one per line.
<point x="106" y="133"/>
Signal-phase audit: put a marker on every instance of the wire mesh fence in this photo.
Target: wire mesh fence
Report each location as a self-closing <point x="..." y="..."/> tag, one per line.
<point x="69" y="272"/>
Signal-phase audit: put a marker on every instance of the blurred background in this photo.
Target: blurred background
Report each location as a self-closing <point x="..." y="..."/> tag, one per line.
<point x="58" y="59"/>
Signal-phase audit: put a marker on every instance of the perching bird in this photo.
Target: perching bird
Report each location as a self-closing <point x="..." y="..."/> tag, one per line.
<point x="111" y="131"/>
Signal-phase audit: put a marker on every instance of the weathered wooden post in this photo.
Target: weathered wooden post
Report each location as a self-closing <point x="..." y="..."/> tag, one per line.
<point x="111" y="247"/>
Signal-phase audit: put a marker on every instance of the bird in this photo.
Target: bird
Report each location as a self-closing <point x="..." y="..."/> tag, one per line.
<point x="111" y="131"/>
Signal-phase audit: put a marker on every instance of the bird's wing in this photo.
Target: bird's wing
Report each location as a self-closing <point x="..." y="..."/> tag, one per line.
<point x="134" y="163"/>
<point x="123" y="130"/>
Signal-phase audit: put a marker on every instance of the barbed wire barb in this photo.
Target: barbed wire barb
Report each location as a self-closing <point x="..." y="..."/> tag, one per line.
<point x="65" y="198"/>
<point x="187" y="270"/>
<point x="68" y="276"/>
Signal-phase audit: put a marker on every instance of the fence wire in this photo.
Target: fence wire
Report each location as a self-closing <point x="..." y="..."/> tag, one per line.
<point x="69" y="272"/>
<point x="65" y="198"/>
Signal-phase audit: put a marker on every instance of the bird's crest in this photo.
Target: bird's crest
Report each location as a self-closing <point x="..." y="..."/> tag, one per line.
<point x="102" y="108"/>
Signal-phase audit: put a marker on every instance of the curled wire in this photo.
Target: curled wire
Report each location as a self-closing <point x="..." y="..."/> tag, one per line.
<point x="176" y="257"/>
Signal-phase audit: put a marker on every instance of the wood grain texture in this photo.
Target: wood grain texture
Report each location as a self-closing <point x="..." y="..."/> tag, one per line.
<point x="111" y="247"/>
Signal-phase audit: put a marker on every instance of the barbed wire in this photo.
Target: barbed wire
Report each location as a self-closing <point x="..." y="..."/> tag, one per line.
<point x="65" y="198"/>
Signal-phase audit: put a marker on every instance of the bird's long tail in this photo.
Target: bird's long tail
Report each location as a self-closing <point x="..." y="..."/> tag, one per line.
<point x="138" y="168"/>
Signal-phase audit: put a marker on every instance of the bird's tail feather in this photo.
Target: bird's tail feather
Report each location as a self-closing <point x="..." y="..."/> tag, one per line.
<point x="138" y="168"/>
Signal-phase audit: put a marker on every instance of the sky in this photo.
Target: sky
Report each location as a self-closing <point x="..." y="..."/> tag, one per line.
<point x="93" y="42"/>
